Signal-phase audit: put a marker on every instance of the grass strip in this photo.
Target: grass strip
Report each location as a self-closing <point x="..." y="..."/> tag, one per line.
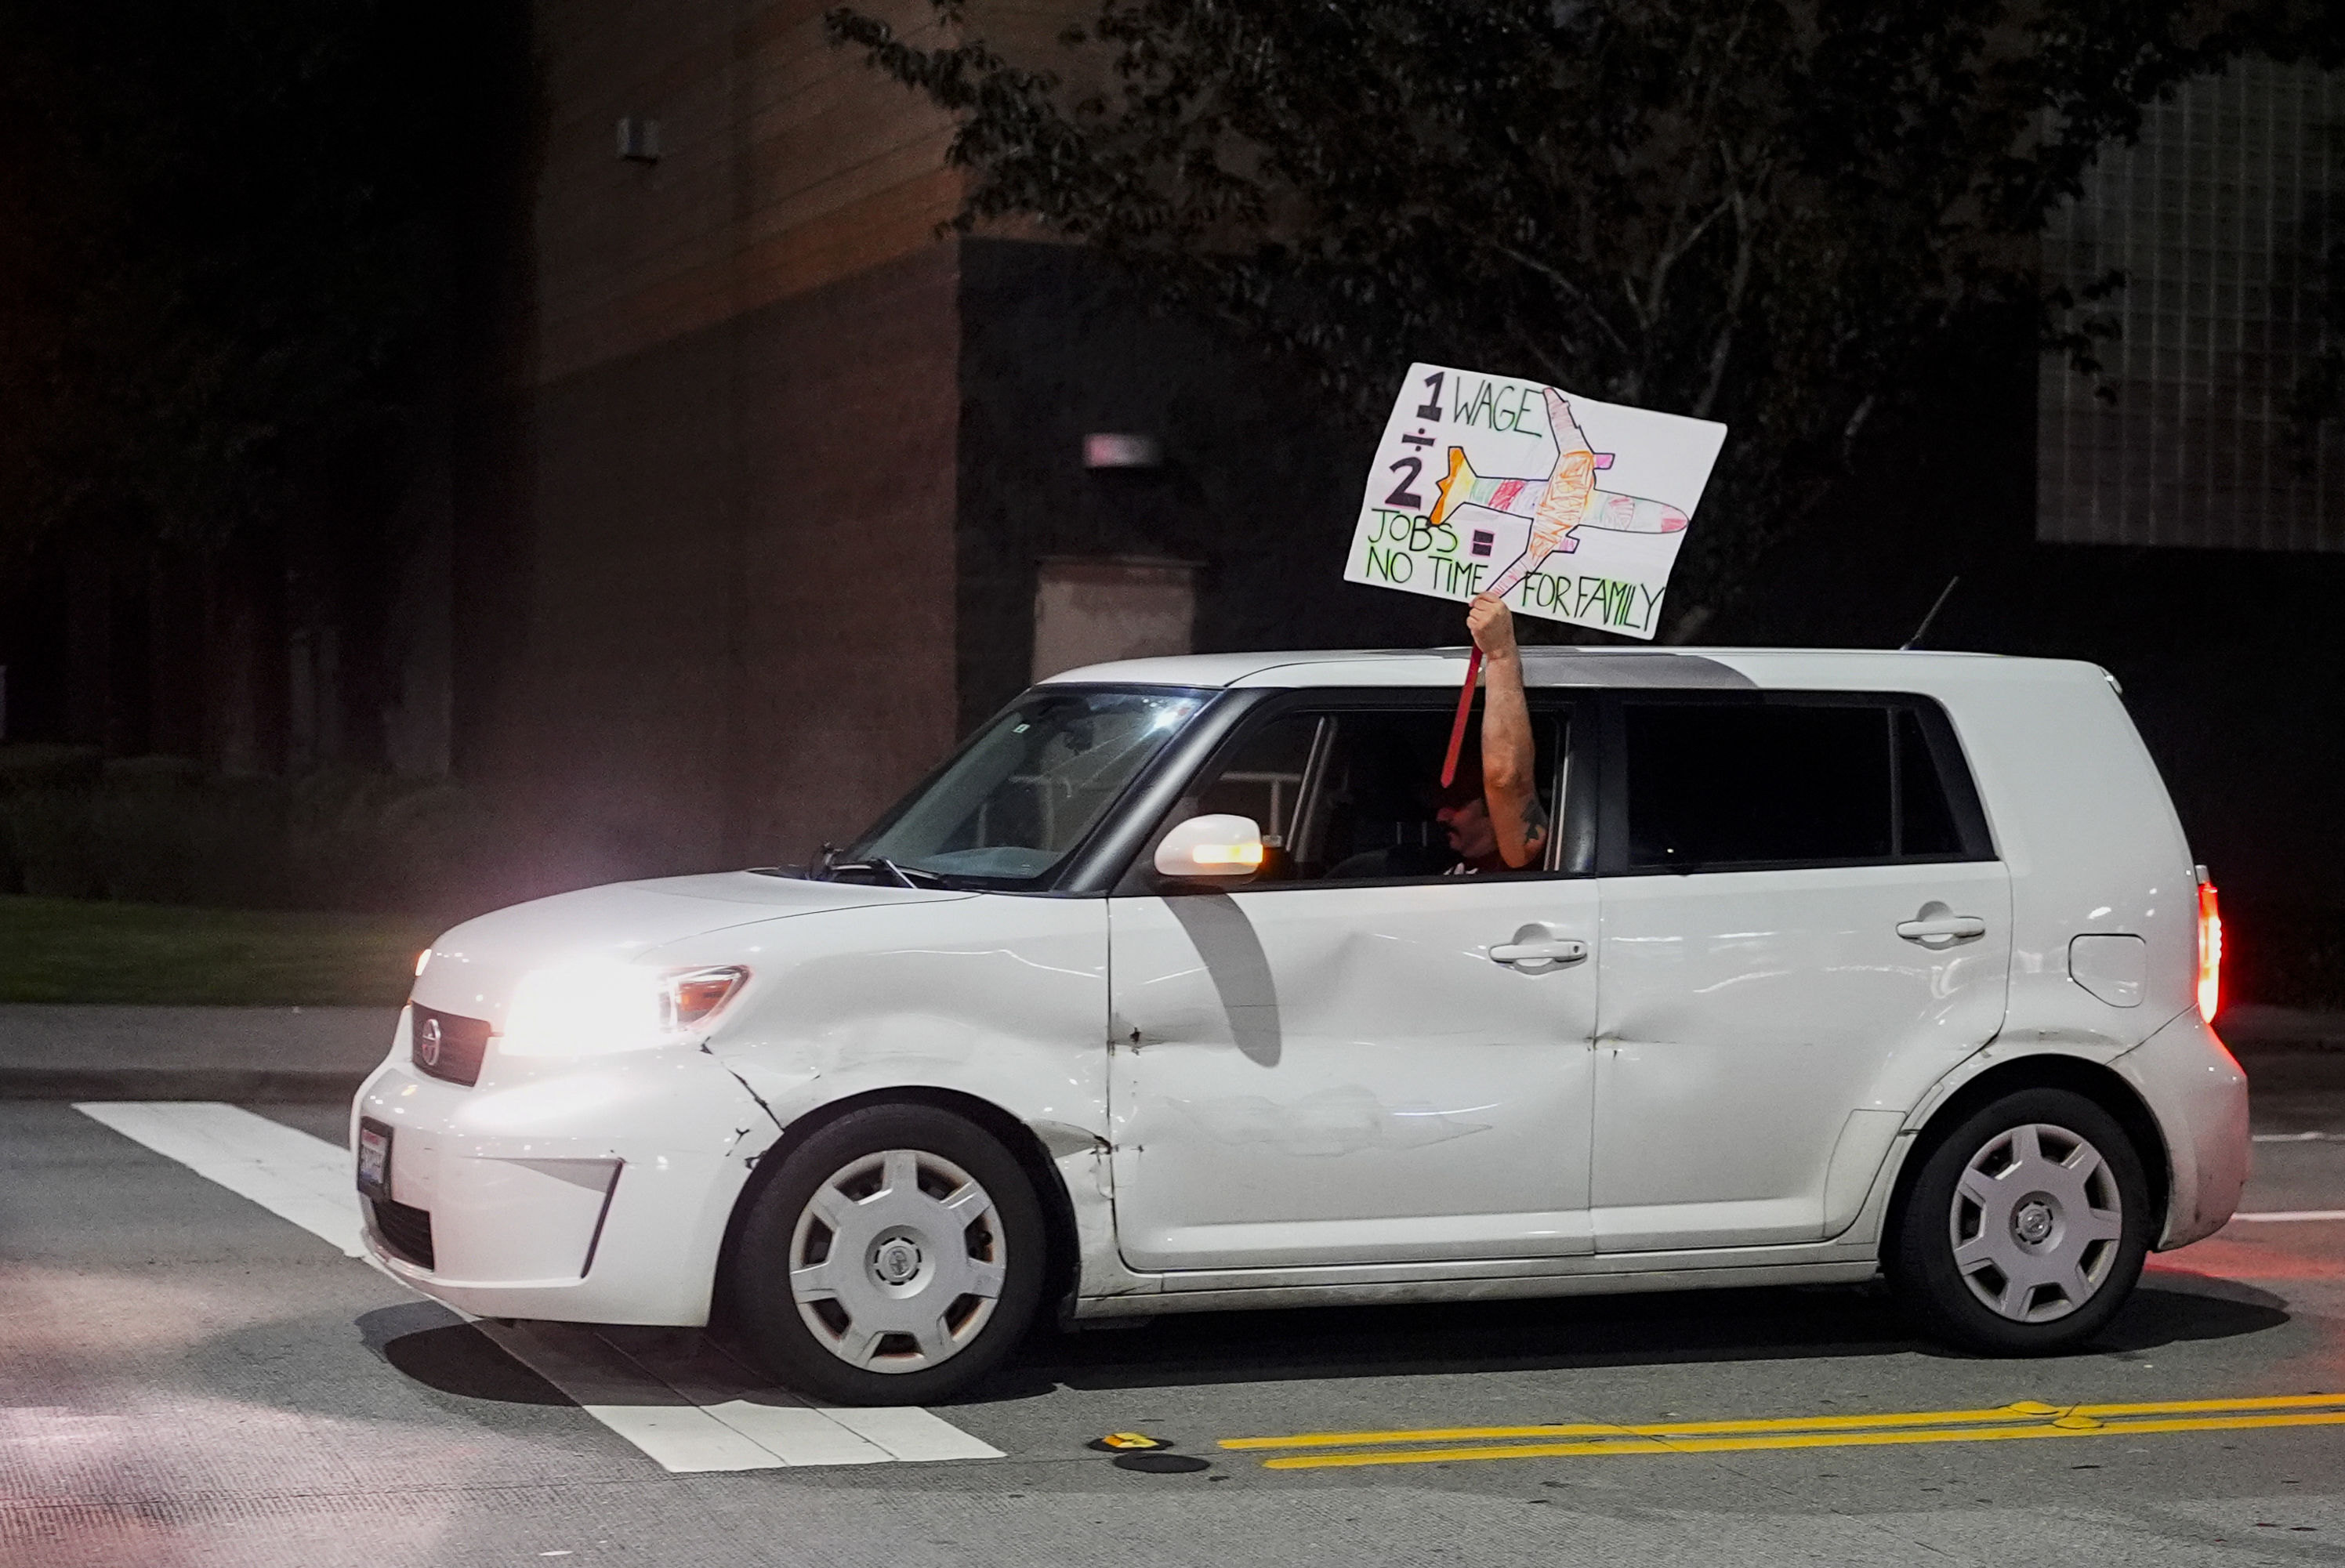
<point x="97" y="951"/>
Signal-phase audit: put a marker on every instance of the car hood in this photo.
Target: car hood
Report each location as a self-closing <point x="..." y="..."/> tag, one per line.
<point x="475" y="966"/>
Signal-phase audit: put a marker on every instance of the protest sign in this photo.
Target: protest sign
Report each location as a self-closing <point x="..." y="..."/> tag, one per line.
<point x="1564" y="507"/>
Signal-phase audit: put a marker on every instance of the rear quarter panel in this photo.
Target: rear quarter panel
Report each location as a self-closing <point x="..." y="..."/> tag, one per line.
<point x="2078" y="814"/>
<point x="2081" y="818"/>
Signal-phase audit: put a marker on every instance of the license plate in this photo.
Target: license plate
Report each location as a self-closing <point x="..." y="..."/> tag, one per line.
<point x="374" y="1159"/>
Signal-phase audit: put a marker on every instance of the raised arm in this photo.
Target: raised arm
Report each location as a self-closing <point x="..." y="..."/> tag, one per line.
<point x="1509" y="760"/>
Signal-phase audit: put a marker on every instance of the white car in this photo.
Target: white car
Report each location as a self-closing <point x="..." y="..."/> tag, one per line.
<point x="1162" y="995"/>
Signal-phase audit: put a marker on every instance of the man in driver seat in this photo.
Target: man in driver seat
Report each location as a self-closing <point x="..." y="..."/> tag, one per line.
<point x="1491" y="811"/>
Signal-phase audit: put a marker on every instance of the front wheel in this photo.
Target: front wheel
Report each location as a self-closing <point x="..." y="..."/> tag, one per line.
<point x="896" y="1258"/>
<point x="2025" y="1227"/>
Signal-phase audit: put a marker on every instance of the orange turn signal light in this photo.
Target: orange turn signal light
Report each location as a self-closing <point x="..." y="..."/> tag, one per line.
<point x="696" y="995"/>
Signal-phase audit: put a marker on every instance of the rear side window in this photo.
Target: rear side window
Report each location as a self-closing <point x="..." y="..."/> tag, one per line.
<point x="1712" y="785"/>
<point x="1926" y="828"/>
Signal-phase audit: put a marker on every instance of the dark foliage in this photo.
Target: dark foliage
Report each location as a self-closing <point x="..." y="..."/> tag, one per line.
<point x="1767" y="212"/>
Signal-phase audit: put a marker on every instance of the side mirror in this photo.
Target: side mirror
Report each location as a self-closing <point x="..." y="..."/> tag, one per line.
<point x="1216" y="846"/>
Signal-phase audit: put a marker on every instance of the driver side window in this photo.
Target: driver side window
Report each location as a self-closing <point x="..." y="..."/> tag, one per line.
<point x="1353" y="796"/>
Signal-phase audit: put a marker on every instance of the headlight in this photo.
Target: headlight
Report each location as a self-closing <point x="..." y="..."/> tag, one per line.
<point x="594" y="1009"/>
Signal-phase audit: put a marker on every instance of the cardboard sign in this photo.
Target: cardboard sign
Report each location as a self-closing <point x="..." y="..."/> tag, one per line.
<point x="1564" y="507"/>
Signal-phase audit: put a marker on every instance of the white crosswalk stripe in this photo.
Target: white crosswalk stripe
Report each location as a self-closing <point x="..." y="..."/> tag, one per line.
<point x="685" y="1404"/>
<point x="288" y="1172"/>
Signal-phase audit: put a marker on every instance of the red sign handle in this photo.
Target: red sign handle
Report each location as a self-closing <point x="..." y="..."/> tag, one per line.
<point x="1457" y="729"/>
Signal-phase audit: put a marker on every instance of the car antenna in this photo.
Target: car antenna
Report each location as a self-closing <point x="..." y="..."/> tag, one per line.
<point x="1922" y="630"/>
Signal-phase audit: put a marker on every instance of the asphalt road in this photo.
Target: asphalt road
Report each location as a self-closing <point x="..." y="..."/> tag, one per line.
<point x="185" y="1378"/>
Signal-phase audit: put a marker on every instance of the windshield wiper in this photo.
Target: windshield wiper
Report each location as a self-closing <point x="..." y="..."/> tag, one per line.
<point x="828" y="865"/>
<point x="906" y="876"/>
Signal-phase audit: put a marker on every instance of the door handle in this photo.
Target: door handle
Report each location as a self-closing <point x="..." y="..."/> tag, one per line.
<point x="1552" y="950"/>
<point x="1942" y="927"/>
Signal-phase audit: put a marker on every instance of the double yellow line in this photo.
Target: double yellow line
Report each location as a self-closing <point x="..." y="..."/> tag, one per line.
<point x="2026" y="1418"/>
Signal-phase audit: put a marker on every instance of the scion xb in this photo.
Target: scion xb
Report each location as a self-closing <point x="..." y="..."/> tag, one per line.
<point x="1163" y="994"/>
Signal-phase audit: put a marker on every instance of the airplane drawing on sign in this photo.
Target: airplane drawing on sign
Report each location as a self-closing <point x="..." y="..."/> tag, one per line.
<point x="1565" y="499"/>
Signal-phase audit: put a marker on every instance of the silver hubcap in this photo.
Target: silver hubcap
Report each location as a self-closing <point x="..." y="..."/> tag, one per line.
<point x="897" y="1261"/>
<point x="2036" y="1223"/>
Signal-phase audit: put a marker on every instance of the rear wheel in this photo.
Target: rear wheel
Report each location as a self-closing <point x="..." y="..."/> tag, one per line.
<point x="2025" y="1227"/>
<point x="895" y="1259"/>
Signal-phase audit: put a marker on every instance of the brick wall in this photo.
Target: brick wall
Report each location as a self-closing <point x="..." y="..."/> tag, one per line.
<point x="784" y="165"/>
<point x="712" y="612"/>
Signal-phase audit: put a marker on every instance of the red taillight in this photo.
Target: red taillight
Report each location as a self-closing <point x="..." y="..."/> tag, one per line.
<point x="2210" y="950"/>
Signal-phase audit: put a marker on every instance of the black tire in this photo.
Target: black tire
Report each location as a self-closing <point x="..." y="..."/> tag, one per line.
<point x="2000" y="1273"/>
<point x="898" y="1330"/>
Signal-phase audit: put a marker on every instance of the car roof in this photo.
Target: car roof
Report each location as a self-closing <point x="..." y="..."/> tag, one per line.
<point x="1578" y="665"/>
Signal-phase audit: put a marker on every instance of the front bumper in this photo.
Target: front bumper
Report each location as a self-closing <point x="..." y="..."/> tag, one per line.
<point x="2197" y="1090"/>
<point x="592" y="1191"/>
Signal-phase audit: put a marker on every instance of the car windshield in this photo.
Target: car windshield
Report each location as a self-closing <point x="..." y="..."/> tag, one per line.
<point x="1029" y="788"/>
